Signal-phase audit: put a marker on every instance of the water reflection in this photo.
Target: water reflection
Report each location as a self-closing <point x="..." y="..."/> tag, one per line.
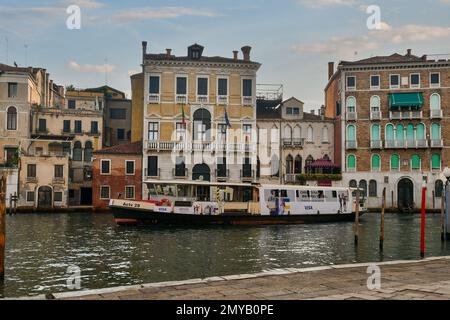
<point x="40" y="247"/>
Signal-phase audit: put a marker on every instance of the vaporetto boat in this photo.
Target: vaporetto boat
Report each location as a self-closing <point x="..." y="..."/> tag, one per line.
<point x="200" y="202"/>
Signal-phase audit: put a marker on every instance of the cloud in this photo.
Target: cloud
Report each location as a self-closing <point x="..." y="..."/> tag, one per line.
<point x="326" y="3"/>
<point x="88" y="4"/>
<point x="374" y="39"/>
<point x="161" y="13"/>
<point x="99" y="68"/>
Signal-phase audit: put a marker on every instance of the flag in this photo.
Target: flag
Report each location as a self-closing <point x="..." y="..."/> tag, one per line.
<point x="227" y="121"/>
<point x="183" y="116"/>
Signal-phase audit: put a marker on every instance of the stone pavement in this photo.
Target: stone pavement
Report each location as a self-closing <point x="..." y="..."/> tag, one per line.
<point x="410" y="280"/>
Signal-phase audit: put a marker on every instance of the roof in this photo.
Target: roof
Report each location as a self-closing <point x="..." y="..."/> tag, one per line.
<point x="164" y="56"/>
<point x="128" y="148"/>
<point x="394" y="58"/>
<point x="104" y="89"/>
<point x="268" y="109"/>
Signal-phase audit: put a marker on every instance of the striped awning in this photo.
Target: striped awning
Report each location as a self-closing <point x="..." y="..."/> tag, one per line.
<point x="405" y="100"/>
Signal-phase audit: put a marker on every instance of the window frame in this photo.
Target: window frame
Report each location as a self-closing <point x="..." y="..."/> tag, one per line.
<point x="109" y="192"/>
<point x="411" y="85"/>
<point x="221" y="77"/>
<point x="347" y="162"/>
<point x="179" y="76"/>
<point x="124" y="136"/>
<point x="126" y="167"/>
<point x="397" y="86"/>
<point x="435" y="85"/>
<point x="347" y="88"/>
<point x="101" y="167"/>
<point x="16" y="122"/>
<point x="34" y="196"/>
<point x="207" y="87"/>
<point x="28" y="170"/>
<point x="54" y="196"/>
<point x="75" y="127"/>
<point x="55" y="171"/>
<point x="150" y="76"/>
<point x="153" y="130"/>
<point x="134" y="192"/>
<point x="379" y="82"/>
<point x="16" y="85"/>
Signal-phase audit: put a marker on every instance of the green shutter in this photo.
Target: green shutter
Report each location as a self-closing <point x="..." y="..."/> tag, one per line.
<point x="351" y="133"/>
<point x="420" y="132"/>
<point x="389" y="132"/>
<point x="351" y="162"/>
<point x="395" y="162"/>
<point x="435" y="131"/>
<point x="435" y="161"/>
<point x="400" y="134"/>
<point x="375" y="132"/>
<point x="375" y="162"/>
<point x="410" y="132"/>
<point x="415" y="162"/>
<point x="435" y="102"/>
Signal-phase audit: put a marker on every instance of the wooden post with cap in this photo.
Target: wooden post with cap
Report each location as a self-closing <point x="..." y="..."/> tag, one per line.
<point x="2" y="226"/>
<point x="356" y="226"/>
<point x="383" y="207"/>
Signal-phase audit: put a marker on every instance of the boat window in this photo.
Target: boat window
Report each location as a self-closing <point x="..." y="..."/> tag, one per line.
<point x="303" y="195"/>
<point x="291" y="195"/>
<point x="334" y="194"/>
<point x="317" y="196"/>
<point x="183" y="191"/>
<point x="284" y="193"/>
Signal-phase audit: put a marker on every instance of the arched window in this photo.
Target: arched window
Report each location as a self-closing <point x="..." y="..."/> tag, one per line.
<point x="400" y="132"/>
<point x="435" y="131"/>
<point x="390" y="132"/>
<point x="88" y="151"/>
<point x="436" y="161"/>
<point x="376" y="162"/>
<point x="298" y="165"/>
<point x="353" y="184"/>
<point x="325" y="134"/>
<point x="351" y="104"/>
<point x="438" y="188"/>
<point x="375" y="103"/>
<point x="410" y="132"/>
<point x="375" y="132"/>
<point x="309" y="160"/>
<point x="202" y="125"/>
<point x="287" y="132"/>
<point x="373" y="188"/>
<point x="11" y="119"/>
<point x="309" y="133"/>
<point x="395" y="162"/>
<point x="289" y="164"/>
<point x="77" y="153"/>
<point x="326" y="157"/>
<point x="415" y="162"/>
<point x="420" y="131"/>
<point x="435" y="101"/>
<point x="363" y="186"/>
<point x="297" y="132"/>
<point x="274" y="166"/>
<point x="351" y="162"/>
<point x="351" y="132"/>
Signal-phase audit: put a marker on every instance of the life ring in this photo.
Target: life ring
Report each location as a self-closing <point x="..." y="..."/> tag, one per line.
<point x="165" y="202"/>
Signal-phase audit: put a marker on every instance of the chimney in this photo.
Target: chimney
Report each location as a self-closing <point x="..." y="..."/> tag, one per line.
<point x="168" y="52"/>
<point x="246" y="52"/>
<point x="409" y="52"/>
<point x="313" y="111"/>
<point x="330" y="69"/>
<point x="144" y="48"/>
<point x="235" y="55"/>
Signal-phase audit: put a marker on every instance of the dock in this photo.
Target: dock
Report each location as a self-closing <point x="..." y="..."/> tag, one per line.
<point x="400" y="280"/>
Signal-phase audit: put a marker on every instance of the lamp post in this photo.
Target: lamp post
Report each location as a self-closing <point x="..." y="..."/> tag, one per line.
<point x="446" y="221"/>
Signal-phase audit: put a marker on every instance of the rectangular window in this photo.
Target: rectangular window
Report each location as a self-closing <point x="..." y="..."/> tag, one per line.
<point x="78" y="126"/>
<point x="351" y="83"/>
<point x="296" y="111"/>
<point x="118" y="114"/>
<point x="181" y="85"/>
<point x="415" y="80"/>
<point x="129" y="192"/>
<point x="104" y="192"/>
<point x="105" y="166"/>
<point x="222" y="87"/>
<point x="202" y="86"/>
<point x="180" y="167"/>
<point x="435" y="80"/>
<point x="59" y="171"/>
<point x="154" y="85"/>
<point x="12" y="89"/>
<point x="31" y="171"/>
<point x="11" y="156"/>
<point x="120" y="134"/>
<point x="71" y="104"/>
<point x="289" y="111"/>
<point x="180" y="131"/>
<point x="247" y="132"/>
<point x="58" y="195"/>
<point x="30" y="196"/>
<point x="222" y="133"/>
<point x="375" y="82"/>
<point x="94" y="127"/>
<point x="394" y="81"/>
<point x="247" y="87"/>
<point x="222" y="167"/>
<point x="153" y="131"/>
<point x="129" y="166"/>
<point x="152" y="166"/>
<point x="42" y="127"/>
<point x="66" y="126"/>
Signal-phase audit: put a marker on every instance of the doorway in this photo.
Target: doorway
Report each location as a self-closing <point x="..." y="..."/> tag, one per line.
<point x="45" y="197"/>
<point x="85" y="196"/>
<point x="405" y="195"/>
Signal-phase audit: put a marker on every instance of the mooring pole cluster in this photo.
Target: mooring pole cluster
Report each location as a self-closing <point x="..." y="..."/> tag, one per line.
<point x="2" y="226"/>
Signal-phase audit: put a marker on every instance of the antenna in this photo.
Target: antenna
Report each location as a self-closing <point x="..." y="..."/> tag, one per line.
<point x="106" y="71"/>
<point x="7" y="50"/>
<point x="26" y="54"/>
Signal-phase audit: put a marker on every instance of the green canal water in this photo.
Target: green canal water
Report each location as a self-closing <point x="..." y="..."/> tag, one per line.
<point x="41" y="247"/>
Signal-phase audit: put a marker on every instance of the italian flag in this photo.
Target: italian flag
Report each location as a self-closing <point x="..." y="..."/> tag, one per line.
<point x="183" y="115"/>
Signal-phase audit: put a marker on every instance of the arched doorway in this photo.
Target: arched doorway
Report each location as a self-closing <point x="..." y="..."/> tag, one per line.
<point x="203" y="173"/>
<point x="45" y="197"/>
<point x="202" y="125"/>
<point x="405" y="195"/>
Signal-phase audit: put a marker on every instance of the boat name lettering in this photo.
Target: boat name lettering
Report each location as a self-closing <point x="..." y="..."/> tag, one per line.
<point x="131" y="205"/>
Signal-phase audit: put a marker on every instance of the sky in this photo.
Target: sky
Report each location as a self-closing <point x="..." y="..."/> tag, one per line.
<point x="293" y="39"/>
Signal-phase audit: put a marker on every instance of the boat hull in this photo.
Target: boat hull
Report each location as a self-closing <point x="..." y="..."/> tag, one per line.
<point x="124" y="216"/>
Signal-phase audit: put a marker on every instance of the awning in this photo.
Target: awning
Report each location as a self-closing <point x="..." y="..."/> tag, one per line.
<point x="406" y="100"/>
<point x="322" y="163"/>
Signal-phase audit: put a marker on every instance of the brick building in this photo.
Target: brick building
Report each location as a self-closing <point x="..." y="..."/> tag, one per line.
<point x="391" y="122"/>
<point x="117" y="173"/>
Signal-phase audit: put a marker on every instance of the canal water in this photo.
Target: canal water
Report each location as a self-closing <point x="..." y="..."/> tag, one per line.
<point x="41" y="247"/>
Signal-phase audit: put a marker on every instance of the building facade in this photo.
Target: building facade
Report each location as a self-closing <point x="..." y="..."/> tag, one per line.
<point x="392" y="119"/>
<point x="291" y="140"/>
<point x="117" y="173"/>
<point x="199" y="116"/>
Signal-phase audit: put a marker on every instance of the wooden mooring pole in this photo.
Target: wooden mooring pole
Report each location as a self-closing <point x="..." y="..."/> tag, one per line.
<point x="443" y="195"/>
<point x="2" y="226"/>
<point x="383" y="207"/>
<point x="422" y="226"/>
<point x="356" y="227"/>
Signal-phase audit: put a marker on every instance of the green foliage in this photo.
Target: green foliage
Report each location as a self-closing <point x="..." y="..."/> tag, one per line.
<point x="318" y="176"/>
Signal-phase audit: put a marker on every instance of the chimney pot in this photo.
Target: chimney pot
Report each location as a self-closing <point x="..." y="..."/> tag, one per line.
<point x="330" y="69"/>
<point x="144" y="48"/>
<point x="409" y="52"/>
<point x="235" y="55"/>
<point x="246" y="52"/>
<point x="168" y="52"/>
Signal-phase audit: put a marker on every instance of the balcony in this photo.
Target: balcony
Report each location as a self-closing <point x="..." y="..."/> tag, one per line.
<point x="222" y="100"/>
<point x="290" y="178"/>
<point x="376" y="144"/>
<point x="352" y="116"/>
<point x="351" y="144"/>
<point x="153" y="98"/>
<point x="436" y="143"/>
<point x="247" y="174"/>
<point x="208" y="146"/>
<point x="222" y="174"/>
<point x="92" y="133"/>
<point x="375" y="115"/>
<point x="181" y="98"/>
<point x="293" y="143"/>
<point x="436" y="114"/>
<point x="405" y="115"/>
<point x="406" y="144"/>
<point x="31" y="180"/>
<point x="202" y="99"/>
<point x="58" y="180"/>
<point x="247" y="101"/>
<point x="152" y="174"/>
<point x="67" y="132"/>
<point x="180" y="173"/>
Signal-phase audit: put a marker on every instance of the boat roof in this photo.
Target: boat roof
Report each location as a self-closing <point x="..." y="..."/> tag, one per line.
<point x="200" y="183"/>
<point x="294" y="187"/>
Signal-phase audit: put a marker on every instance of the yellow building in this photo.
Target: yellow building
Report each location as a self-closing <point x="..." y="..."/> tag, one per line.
<point x="198" y="115"/>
